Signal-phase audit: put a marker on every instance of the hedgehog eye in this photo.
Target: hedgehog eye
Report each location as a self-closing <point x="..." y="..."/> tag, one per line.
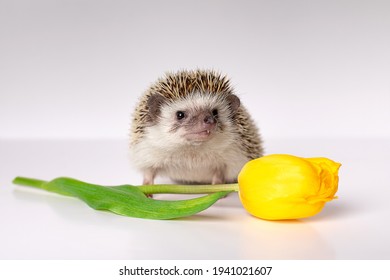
<point x="215" y="113"/>
<point x="180" y="115"/>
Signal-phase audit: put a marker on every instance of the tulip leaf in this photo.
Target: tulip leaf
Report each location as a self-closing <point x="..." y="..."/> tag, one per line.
<point x="126" y="200"/>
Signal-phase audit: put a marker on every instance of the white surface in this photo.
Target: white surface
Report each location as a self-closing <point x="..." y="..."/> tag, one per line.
<point x="39" y="225"/>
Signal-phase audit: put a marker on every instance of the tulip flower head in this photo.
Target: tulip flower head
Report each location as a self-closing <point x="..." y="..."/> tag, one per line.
<point x="279" y="187"/>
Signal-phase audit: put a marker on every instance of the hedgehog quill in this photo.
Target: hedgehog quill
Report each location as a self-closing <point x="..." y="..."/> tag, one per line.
<point x="191" y="127"/>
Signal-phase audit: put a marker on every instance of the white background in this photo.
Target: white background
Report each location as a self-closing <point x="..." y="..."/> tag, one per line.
<point x="303" y="68"/>
<point x="315" y="75"/>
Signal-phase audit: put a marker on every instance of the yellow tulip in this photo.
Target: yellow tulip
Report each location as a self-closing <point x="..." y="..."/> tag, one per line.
<point x="280" y="187"/>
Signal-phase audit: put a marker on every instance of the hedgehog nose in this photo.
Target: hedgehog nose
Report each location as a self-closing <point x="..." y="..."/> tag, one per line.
<point x="208" y="120"/>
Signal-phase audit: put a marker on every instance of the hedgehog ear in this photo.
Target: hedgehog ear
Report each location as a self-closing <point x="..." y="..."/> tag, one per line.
<point x="234" y="102"/>
<point x="154" y="105"/>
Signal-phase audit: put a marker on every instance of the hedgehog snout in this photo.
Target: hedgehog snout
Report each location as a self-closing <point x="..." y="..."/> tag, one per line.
<point x="209" y="119"/>
<point x="208" y="127"/>
<point x="208" y="123"/>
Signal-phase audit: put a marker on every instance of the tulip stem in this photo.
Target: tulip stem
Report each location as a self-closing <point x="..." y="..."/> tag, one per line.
<point x="187" y="189"/>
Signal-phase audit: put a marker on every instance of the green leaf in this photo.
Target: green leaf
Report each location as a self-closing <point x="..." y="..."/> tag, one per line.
<point x="124" y="200"/>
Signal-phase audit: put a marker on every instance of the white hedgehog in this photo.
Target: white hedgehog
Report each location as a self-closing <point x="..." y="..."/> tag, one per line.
<point x="191" y="127"/>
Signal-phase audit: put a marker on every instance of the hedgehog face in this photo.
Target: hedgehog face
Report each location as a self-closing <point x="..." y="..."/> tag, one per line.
<point x="193" y="119"/>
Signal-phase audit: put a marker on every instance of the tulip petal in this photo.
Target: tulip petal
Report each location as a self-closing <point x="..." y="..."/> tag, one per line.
<point x="278" y="187"/>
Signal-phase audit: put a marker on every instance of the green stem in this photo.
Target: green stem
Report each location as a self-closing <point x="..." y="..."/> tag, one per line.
<point x="151" y="189"/>
<point x="24" y="181"/>
<point x="187" y="189"/>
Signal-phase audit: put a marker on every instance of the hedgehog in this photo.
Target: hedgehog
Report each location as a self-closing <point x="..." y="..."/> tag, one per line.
<point x="191" y="127"/>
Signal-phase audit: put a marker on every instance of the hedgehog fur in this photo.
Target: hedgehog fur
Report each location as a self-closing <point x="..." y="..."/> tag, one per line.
<point x="237" y="134"/>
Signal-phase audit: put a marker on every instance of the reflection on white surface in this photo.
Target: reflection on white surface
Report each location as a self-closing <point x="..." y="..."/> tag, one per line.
<point x="283" y="240"/>
<point x="40" y="225"/>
